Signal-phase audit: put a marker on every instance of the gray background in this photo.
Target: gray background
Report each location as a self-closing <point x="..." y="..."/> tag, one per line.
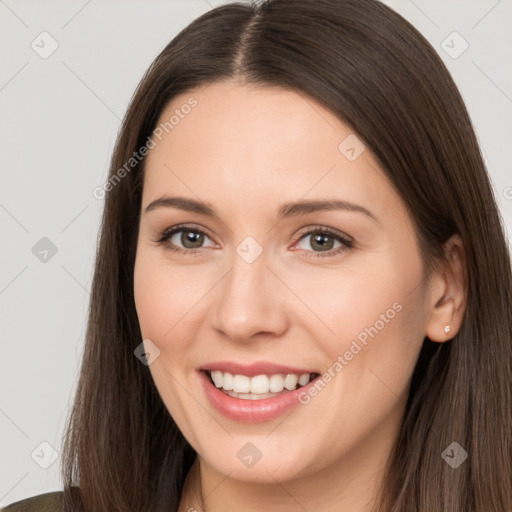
<point x="59" y="120"/>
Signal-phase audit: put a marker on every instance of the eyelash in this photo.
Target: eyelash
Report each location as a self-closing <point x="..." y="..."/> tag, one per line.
<point x="168" y="233"/>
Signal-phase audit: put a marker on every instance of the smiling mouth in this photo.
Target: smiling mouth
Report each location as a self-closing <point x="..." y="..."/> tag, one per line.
<point x="258" y="387"/>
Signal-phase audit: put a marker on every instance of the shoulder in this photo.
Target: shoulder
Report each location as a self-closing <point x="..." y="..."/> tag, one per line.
<point x="47" y="502"/>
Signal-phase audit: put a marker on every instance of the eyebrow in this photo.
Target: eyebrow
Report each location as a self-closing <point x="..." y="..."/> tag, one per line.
<point x="286" y="210"/>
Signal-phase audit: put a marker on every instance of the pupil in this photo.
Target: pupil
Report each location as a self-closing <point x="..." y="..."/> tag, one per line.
<point x="191" y="237"/>
<point x="323" y="241"/>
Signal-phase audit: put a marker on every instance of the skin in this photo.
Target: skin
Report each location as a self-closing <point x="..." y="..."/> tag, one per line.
<point x="246" y="151"/>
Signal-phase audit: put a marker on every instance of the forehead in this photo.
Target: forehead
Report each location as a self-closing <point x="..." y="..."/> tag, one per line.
<point x="257" y="146"/>
<point x="235" y="121"/>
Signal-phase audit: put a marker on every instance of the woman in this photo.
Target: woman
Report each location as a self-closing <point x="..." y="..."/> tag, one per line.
<point x="302" y="293"/>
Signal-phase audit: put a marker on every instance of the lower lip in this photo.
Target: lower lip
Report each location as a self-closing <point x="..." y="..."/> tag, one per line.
<point x="251" y="411"/>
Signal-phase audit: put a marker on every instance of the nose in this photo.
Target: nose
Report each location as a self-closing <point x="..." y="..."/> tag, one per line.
<point x="251" y="302"/>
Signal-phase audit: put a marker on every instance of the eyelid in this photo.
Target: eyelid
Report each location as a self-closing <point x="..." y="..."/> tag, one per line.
<point x="346" y="241"/>
<point x="167" y="233"/>
<point x="184" y="227"/>
<point x="324" y="229"/>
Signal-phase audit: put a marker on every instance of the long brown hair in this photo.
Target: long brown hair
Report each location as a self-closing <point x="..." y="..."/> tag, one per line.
<point x="379" y="75"/>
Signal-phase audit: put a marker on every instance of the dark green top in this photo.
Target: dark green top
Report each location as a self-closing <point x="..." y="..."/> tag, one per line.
<point x="48" y="502"/>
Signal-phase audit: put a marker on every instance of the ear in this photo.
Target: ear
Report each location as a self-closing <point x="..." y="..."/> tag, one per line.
<point x="448" y="295"/>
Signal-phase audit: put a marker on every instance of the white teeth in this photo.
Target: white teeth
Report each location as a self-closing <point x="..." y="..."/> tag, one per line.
<point x="276" y="384"/>
<point x="290" y="382"/>
<point x="259" y="384"/>
<point x="241" y="384"/>
<point x="255" y="387"/>
<point x="217" y="378"/>
<point x="227" y="382"/>
<point x="304" y="379"/>
<point x="250" y="396"/>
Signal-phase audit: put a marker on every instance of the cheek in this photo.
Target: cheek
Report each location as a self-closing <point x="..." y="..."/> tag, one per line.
<point x="354" y="297"/>
<point x="163" y="295"/>
<point x="372" y="319"/>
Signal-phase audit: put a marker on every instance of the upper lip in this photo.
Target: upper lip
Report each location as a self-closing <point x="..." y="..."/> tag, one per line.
<point x="253" y="369"/>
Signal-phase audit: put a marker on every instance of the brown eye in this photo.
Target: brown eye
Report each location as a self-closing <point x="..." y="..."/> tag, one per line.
<point x="189" y="239"/>
<point x="324" y="242"/>
<point x="184" y="239"/>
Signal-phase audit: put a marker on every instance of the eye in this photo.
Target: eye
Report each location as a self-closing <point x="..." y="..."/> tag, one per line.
<point x="183" y="238"/>
<point x="187" y="239"/>
<point x="324" y="239"/>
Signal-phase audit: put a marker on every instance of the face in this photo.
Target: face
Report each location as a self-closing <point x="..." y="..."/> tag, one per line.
<point x="251" y="286"/>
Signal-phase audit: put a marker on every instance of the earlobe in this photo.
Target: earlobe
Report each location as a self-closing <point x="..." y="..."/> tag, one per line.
<point x="448" y="294"/>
